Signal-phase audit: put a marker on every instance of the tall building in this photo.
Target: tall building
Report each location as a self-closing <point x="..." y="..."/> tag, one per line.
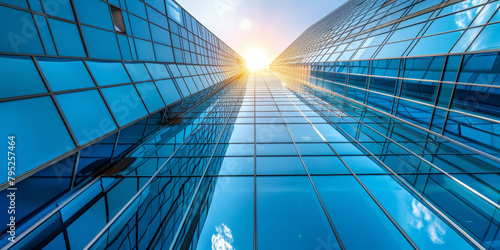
<point x="83" y="83"/>
<point x="413" y="85"/>
<point x="134" y="127"/>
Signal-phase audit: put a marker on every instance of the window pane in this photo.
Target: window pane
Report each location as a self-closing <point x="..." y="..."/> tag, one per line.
<point x="483" y="68"/>
<point x="95" y="13"/>
<point x="81" y="231"/>
<point x="108" y="73"/>
<point x="279" y="166"/>
<point x="393" y="49"/>
<point x="236" y="166"/>
<point x="57" y="243"/>
<point x="138" y="72"/>
<point x="41" y="135"/>
<point x="325" y="165"/>
<point x="386" y="67"/>
<point x="19" y="77"/>
<point x="154" y="15"/>
<point x="140" y="28"/>
<point x="330" y="133"/>
<point x="120" y="195"/>
<point x="314" y="149"/>
<point x="150" y="95"/>
<point x="461" y="5"/>
<point x="136" y="7"/>
<point x="438" y="44"/>
<point x="100" y="43"/>
<point x="466" y="40"/>
<point x="168" y="91"/>
<point x="362" y="165"/>
<point x="230" y="215"/>
<point x="238" y="149"/>
<point x="304" y="133"/>
<point x="488" y="39"/>
<point x="484" y="101"/>
<point x="58" y="73"/>
<point x="144" y="50"/>
<point x="157" y="70"/>
<point x="424" y="5"/>
<point x="174" y="69"/>
<point x="241" y="134"/>
<point x="12" y="38"/>
<point x="60" y="9"/>
<point x="452" y="22"/>
<point x="17" y="3"/>
<point x="424" y="68"/>
<point x="190" y="84"/>
<point x="276" y="149"/>
<point x="160" y="35"/>
<point x="282" y="198"/>
<point x="67" y="38"/>
<point x="406" y="33"/>
<point x="125" y="103"/>
<point x="174" y="11"/>
<point x="88" y="121"/>
<point x="41" y="22"/>
<point x="124" y="47"/>
<point x="486" y="14"/>
<point x="183" y="87"/>
<point x="420" y="91"/>
<point x="272" y="133"/>
<point x="163" y="53"/>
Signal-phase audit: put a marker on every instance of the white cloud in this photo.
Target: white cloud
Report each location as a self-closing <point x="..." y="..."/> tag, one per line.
<point x="223" y="239"/>
<point x="421" y="217"/>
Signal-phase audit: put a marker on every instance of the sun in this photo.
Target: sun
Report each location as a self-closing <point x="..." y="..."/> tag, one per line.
<point x="256" y="59"/>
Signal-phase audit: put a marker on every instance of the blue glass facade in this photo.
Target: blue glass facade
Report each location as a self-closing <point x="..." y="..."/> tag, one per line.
<point x="84" y="82"/>
<point x="139" y="129"/>
<point x="413" y="84"/>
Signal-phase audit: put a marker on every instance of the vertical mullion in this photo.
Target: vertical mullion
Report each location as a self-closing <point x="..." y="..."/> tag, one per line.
<point x="460" y="68"/>
<point x="84" y="43"/>
<point x="101" y="94"/>
<point x="255" y="242"/>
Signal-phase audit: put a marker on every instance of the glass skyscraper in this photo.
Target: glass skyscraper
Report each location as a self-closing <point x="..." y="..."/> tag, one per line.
<point x="135" y="127"/>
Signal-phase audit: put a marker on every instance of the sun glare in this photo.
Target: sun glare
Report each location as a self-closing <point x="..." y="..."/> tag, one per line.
<point x="256" y="59"/>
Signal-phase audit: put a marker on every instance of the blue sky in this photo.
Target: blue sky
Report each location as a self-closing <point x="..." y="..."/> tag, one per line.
<point x="267" y="25"/>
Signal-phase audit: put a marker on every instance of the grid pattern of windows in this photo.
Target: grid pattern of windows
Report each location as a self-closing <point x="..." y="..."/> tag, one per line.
<point x="66" y="39"/>
<point x="414" y="84"/>
<point x="260" y="167"/>
<point x="379" y="121"/>
<point x="84" y="81"/>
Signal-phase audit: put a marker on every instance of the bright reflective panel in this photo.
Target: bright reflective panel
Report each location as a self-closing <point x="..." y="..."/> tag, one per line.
<point x="229" y="222"/>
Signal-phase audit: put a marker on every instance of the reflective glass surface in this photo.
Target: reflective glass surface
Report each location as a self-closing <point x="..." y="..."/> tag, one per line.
<point x="125" y="103"/>
<point x="58" y="72"/>
<point x="19" y="77"/>
<point x="87" y="122"/>
<point x="296" y="198"/>
<point x="108" y="73"/>
<point x="138" y="128"/>
<point x="42" y="126"/>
